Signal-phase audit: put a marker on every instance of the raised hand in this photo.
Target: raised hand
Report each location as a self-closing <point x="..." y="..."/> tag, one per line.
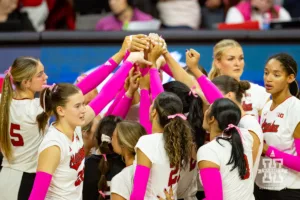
<point x="145" y="82"/>
<point x="134" y="81"/>
<point x="138" y="57"/>
<point x="192" y="59"/>
<point x="139" y="43"/>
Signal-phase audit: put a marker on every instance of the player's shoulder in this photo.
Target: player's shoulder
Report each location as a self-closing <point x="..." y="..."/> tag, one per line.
<point x="151" y="137"/>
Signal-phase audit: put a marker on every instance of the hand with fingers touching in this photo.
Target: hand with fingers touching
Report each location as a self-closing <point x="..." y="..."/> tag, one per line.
<point x="145" y="82"/>
<point x="169" y="195"/>
<point x="155" y="52"/>
<point x="138" y="57"/>
<point x="125" y="45"/>
<point x="192" y="59"/>
<point x="139" y="42"/>
<point x="160" y="62"/>
<point x="134" y="82"/>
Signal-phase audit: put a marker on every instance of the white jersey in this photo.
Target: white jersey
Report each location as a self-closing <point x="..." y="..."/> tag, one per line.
<point x="250" y="123"/>
<point x="278" y="126"/>
<point x="67" y="180"/>
<point x="122" y="183"/>
<point x="254" y="99"/>
<point x="234" y="188"/>
<point x="187" y="185"/>
<point x="162" y="175"/>
<point x="24" y="134"/>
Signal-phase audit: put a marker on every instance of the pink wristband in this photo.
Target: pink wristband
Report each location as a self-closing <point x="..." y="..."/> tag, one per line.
<point x="140" y="182"/>
<point x="212" y="183"/>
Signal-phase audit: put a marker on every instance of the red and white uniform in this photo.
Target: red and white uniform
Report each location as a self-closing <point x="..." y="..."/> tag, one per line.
<point x="24" y="134"/>
<point x="250" y="123"/>
<point x="122" y="183"/>
<point x="67" y="180"/>
<point x="233" y="187"/>
<point x="187" y="185"/>
<point x="254" y="99"/>
<point x="162" y="175"/>
<point x="25" y="140"/>
<point x="278" y="126"/>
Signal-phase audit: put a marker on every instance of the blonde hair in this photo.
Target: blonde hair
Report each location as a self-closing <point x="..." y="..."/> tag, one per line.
<point x="219" y="48"/>
<point x="23" y="68"/>
<point x="129" y="134"/>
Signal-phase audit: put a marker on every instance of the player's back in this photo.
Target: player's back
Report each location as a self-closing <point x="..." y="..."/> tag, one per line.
<point x="24" y="135"/>
<point x="162" y="174"/>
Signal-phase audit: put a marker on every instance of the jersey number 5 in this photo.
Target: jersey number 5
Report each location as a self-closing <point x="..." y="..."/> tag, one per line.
<point x="16" y="139"/>
<point x="174" y="175"/>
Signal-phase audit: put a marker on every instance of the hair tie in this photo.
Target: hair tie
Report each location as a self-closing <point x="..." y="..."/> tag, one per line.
<point x="193" y="92"/>
<point x="8" y="72"/>
<point x="105" y="138"/>
<point x="104" y="156"/>
<point x="102" y="194"/>
<point x="230" y="126"/>
<point x="182" y="116"/>
<point x="44" y="97"/>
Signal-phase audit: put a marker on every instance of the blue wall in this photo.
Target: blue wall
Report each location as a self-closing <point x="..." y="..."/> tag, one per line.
<point x="65" y="63"/>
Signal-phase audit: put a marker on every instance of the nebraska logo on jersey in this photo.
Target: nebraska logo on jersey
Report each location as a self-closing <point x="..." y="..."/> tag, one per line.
<point x="247" y="107"/>
<point x="269" y="127"/>
<point x="77" y="159"/>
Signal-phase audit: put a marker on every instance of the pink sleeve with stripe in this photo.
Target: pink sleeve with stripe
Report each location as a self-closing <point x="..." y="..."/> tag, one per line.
<point x="111" y="88"/>
<point x="96" y="77"/>
<point x="115" y="102"/>
<point x="167" y="69"/>
<point x="155" y="83"/>
<point x="122" y="107"/>
<point x="210" y="90"/>
<point x="290" y="161"/>
<point x="144" y="111"/>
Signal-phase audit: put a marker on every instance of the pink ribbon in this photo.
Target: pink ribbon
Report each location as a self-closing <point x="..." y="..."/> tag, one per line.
<point x="193" y="92"/>
<point x="230" y="126"/>
<point x="104" y="156"/>
<point x="182" y="116"/>
<point x="102" y="194"/>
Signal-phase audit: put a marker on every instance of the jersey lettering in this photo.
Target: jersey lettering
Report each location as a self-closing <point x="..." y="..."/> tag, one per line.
<point x="16" y="138"/>
<point x="269" y="127"/>
<point x="174" y="175"/>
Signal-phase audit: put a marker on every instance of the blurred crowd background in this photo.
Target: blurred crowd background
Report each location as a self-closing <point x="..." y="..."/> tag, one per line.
<point x="117" y="15"/>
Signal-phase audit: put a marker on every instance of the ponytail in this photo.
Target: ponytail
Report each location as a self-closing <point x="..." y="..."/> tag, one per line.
<point x="237" y="152"/>
<point x="102" y="184"/>
<point x="178" y="141"/>
<point x="214" y="72"/>
<point x="6" y="98"/>
<point x="195" y="119"/>
<point x="45" y="102"/>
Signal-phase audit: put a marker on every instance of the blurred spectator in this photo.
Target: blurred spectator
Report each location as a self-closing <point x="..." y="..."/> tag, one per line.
<point x="61" y="15"/>
<point x="256" y="10"/>
<point x="214" y="11"/>
<point x="37" y="11"/>
<point x="293" y="7"/>
<point x="179" y="13"/>
<point x="11" y="19"/>
<point x="122" y="13"/>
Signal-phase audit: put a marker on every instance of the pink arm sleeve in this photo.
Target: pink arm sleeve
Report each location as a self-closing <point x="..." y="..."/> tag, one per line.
<point x="40" y="187"/>
<point x="144" y="71"/>
<point x="96" y="77"/>
<point x="123" y="107"/>
<point x="210" y="91"/>
<point x="111" y="88"/>
<point x="140" y="182"/>
<point x="126" y="55"/>
<point x="167" y="69"/>
<point x="212" y="183"/>
<point x="144" y="111"/>
<point x="290" y="161"/>
<point x="155" y="83"/>
<point x="115" y="102"/>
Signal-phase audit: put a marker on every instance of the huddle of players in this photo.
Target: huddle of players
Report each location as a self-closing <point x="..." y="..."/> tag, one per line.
<point x="194" y="137"/>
